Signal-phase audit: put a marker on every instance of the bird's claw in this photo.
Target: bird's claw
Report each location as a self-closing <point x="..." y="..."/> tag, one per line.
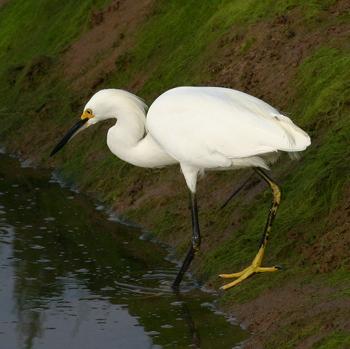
<point x="246" y="273"/>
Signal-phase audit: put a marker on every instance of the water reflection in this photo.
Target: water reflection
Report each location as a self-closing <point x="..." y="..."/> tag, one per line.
<point x="71" y="278"/>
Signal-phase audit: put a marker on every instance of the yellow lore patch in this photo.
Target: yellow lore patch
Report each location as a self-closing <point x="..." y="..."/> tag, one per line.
<point x="87" y="114"/>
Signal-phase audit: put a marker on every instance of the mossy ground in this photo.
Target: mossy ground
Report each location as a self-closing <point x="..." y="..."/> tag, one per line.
<point x="175" y="46"/>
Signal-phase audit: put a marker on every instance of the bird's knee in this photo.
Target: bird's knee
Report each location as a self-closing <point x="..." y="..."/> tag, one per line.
<point x="277" y="194"/>
<point x="196" y="243"/>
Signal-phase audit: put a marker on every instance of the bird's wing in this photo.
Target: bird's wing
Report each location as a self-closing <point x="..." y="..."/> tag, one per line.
<point x="212" y="125"/>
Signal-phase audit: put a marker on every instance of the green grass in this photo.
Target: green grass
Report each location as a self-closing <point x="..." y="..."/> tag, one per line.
<point x="336" y="340"/>
<point x="172" y="46"/>
<point x="33" y="35"/>
<point x="175" y="46"/>
<point x="313" y="189"/>
<point x="43" y="27"/>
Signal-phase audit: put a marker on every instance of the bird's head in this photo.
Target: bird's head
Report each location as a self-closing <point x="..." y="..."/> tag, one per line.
<point x="100" y="107"/>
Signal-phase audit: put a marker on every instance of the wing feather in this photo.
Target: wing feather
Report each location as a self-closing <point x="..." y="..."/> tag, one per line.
<point x="211" y="125"/>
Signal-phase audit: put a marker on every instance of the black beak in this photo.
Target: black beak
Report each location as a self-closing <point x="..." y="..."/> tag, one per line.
<point x="71" y="133"/>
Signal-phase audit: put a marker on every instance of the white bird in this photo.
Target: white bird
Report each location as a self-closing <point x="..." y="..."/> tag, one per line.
<point x="201" y="128"/>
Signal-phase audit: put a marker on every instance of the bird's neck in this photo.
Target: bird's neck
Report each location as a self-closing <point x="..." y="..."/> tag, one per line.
<point x="130" y="126"/>
<point x="128" y="139"/>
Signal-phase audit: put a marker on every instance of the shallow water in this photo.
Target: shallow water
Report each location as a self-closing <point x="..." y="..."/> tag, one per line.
<point x="72" y="278"/>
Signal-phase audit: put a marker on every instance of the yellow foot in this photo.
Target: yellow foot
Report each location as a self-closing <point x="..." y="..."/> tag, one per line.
<point x="244" y="274"/>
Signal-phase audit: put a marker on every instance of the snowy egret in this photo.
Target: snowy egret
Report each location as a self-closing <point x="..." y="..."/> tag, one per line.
<point x="201" y="128"/>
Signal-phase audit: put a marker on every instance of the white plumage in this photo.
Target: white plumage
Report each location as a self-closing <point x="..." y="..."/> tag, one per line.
<point x="216" y="128"/>
<point x="207" y="127"/>
<point x="201" y="128"/>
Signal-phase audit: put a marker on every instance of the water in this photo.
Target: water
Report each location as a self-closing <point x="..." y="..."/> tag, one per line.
<point x="71" y="278"/>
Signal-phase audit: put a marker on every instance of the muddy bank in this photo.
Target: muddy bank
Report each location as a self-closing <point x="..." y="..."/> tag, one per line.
<point x="295" y="57"/>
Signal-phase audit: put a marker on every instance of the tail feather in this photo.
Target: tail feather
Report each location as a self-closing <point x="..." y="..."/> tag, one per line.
<point x="298" y="139"/>
<point x="294" y="155"/>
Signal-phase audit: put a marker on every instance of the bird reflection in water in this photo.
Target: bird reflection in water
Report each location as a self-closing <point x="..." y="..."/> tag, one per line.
<point x="74" y="277"/>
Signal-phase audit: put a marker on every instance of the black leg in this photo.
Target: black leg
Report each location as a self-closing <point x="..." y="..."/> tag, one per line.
<point x="187" y="316"/>
<point x="276" y="199"/>
<point x="236" y="191"/>
<point x="255" y="267"/>
<point x="195" y="244"/>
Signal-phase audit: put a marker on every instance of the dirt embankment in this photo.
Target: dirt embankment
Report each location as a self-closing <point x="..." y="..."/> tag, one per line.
<point x="262" y="61"/>
<point x="305" y="306"/>
<point x="273" y="314"/>
<point x="90" y="59"/>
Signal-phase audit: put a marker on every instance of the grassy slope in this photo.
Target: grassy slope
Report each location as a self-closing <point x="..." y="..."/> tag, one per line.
<point x="175" y="47"/>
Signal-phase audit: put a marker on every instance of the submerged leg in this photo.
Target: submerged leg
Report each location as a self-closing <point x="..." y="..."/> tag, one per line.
<point x="255" y="267"/>
<point x="195" y="244"/>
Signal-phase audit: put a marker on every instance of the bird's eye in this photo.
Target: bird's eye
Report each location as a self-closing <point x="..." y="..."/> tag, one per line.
<point x="88" y="111"/>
